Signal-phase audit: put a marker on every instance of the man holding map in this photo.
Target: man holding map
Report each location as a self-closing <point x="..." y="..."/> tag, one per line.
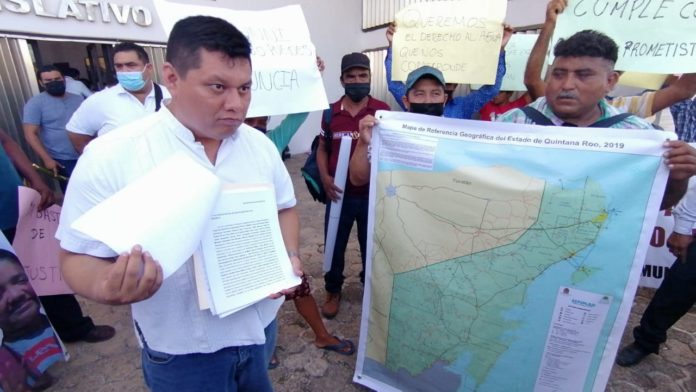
<point x="644" y="105"/>
<point x="581" y="75"/>
<point x="425" y="94"/>
<point x="208" y="72"/>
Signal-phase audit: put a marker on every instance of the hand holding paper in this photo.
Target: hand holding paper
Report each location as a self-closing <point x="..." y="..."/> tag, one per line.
<point x="169" y="217"/>
<point x="134" y="276"/>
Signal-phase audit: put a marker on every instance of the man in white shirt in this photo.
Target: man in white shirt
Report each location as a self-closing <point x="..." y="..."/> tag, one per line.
<point x="74" y="85"/>
<point x="133" y="97"/>
<point x="208" y="72"/>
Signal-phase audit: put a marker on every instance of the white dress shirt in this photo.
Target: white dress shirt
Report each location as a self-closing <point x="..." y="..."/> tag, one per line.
<point x="109" y="109"/>
<point x="170" y="320"/>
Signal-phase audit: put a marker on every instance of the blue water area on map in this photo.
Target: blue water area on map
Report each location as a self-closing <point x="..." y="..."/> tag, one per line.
<point x="623" y="178"/>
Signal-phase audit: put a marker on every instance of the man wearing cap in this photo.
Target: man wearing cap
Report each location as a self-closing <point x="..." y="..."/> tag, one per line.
<point x="425" y="94"/>
<point x="341" y="119"/>
<point x="464" y="107"/>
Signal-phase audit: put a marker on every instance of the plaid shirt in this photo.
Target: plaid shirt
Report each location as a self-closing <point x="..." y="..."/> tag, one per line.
<point x="518" y="116"/>
<point x="684" y="114"/>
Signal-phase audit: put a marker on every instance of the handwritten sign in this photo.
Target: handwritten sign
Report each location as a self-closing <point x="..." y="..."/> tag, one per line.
<point x="648" y="81"/>
<point x="36" y="246"/>
<point x="285" y="78"/>
<point x="653" y="35"/>
<point x="460" y="38"/>
<point x="34" y="346"/>
<point x="516" y="55"/>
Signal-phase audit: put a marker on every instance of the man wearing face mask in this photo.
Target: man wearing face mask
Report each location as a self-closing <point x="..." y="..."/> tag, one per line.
<point x="425" y="94"/>
<point x="455" y="107"/>
<point x="342" y="120"/>
<point x="135" y="96"/>
<point x="44" y="121"/>
<point x="45" y="116"/>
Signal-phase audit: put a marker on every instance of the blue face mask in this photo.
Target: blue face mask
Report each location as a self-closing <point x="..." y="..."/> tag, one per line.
<point x="131" y="81"/>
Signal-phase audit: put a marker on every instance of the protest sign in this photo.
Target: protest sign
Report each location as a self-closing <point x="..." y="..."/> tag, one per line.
<point x="648" y="81"/>
<point x="460" y="38"/>
<point x="285" y="77"/>
<point x="36" y="245"/>
<point x="653" y="35"/>
<point x="516" y="55"/>
<point x="658" y="259"/>
<point x="28" y="343"/>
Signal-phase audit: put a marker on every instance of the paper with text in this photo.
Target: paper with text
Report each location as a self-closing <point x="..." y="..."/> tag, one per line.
<point x="633" y="24"/>
<point x="285" y="77"/>
<point x="574" y="329"/>
<point x="244" y="255"/>
<point x="164" y="211"/>
<point x="460" y="38"/>
<point x="474" y="225"/>
<point x="36" y="245"/>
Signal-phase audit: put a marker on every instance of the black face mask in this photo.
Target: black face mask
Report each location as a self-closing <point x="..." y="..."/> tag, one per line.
<point x="357" y="91"/>
<point x="261" y="129"/>
<point x="55" y="88"/>
<point x="431" y="109"/>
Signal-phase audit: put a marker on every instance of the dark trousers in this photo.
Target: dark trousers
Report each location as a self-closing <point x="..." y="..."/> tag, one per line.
<point x="354" y="210"/>
<point x="66" y="170"/>
<point x="63" y="310"/>
<point x="676" y="295"/>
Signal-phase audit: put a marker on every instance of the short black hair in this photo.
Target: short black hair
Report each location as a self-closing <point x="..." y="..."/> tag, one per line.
<point x="73" y="73"/>
<point x="9" y="256"/>
<point x="47" y="68"/>
<point x="132" y="47"/>
<point x="190" y="35"/>
<point x="587" y="43"/>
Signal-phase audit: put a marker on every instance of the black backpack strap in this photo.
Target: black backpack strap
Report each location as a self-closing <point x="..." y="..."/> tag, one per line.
<point x="608" y="122"/>
<point x="328" y="135"/>
<point x="158" y="96"/>
<point x="536" y="116"/>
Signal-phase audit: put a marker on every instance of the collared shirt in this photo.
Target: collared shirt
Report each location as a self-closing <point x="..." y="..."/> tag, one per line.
<point x="51" y="114"/>
<point x="458" y="107"/>
<point x="109" y="109"/>
<point x="76" y="87"/>
<point x="640" y="105"/>
<point x="518" y="116"/>
<point x="170" y="320"/>
<point x="345" y="124"/>
<point x="684" y="115"/>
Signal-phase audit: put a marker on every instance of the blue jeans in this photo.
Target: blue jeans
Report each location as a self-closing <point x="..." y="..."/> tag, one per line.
<point x="354" y="210"/>
<point x="231" y="369"/>
<point x="271" y="332"/>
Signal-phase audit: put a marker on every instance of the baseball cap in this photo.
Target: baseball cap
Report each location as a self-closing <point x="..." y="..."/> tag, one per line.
<point x="353" y="60"/>
<point x="418" y="73"/>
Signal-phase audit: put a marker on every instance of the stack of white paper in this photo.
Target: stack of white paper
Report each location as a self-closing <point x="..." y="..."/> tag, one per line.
<point x="157" y="212"/>
<point x="242" y="254"/>
<point x="240" y="257"/>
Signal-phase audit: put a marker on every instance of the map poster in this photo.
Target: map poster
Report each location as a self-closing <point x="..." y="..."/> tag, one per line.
<point x="475" y="227"/>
